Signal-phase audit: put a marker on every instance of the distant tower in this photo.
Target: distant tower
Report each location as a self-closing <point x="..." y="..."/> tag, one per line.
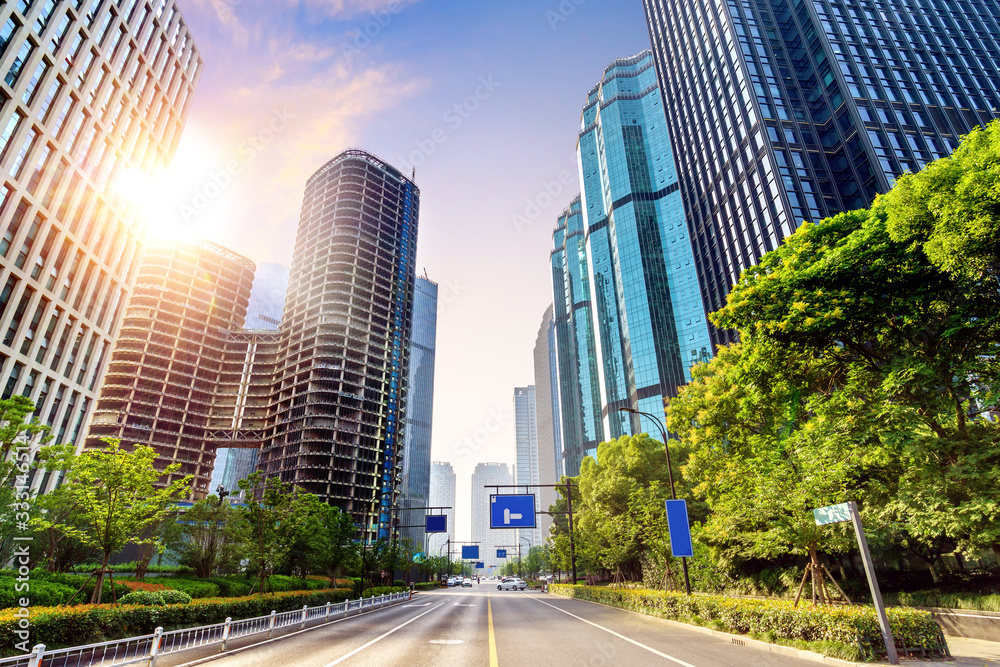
<point x="341" y="387"/>
<point x="442" y="494"/>
<point x="416" y="477"/>
<point x="267" y="299"/>
<point x="526" y="441"/>
<point x="489" y="539"/>
<point x="168" y="359"/>
<point x="547" y="417"/>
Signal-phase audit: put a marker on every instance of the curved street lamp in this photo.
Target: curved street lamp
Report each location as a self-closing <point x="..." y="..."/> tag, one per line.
<point x="670" y="475"/>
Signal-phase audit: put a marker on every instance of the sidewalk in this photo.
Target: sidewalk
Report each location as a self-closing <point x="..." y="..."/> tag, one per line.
<point x="976" y="652"/>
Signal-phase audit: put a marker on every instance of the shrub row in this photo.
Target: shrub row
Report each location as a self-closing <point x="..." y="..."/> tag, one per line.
<point x="163" y="597"/>
<point x="807" y="622"/>
<point x="53" y="590"/>
<point x="427" y="586"/>
<point x="384" y="590"/>
<point x="83" y="624"/>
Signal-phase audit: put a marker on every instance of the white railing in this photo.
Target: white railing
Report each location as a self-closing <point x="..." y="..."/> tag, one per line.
<point x="146" y="649"/>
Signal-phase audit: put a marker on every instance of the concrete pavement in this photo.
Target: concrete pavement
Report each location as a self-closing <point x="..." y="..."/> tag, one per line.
<point x="489" y="628"/>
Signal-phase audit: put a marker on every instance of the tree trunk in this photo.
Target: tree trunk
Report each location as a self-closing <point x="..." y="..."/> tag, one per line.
<point x="95" y="597"/>
<point x="817" y="585"/>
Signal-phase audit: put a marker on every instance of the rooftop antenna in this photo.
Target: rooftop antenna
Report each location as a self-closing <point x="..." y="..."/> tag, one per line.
<point x="413" y="175"/>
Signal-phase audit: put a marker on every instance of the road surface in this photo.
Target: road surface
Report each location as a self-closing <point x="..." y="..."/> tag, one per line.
<point x="485" y="627"/>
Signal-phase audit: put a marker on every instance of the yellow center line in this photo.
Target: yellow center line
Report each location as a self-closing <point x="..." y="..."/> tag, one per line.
<point x="493" y="640"/>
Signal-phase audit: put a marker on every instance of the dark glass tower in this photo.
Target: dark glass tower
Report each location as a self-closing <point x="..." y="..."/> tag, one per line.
<point x="784" y="110"/>
<point x="416" y="478"/>
<point x="343" y="360"/>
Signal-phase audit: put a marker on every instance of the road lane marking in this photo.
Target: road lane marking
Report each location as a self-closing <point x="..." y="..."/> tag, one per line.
<point x="620" y="636"/>
<point x="493" y="640"/>
<point x="378" y="639"/>
<point x="447" y="641"/>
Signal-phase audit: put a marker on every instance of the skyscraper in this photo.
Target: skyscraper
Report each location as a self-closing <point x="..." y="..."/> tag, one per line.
<point x="648" y="317"/>
<point x="579" y="393"/>
<point x="489" y="539"/>
<point x="442" y="494"/>
<point x="547" y="418"/>
<point x="169" y="356"/>
<point x="526" y="445"/>
<point x="267" y="300"/>
<point x="341" y="388"/>
<point x="416" y="475"/>
<point x="90" y="89"/>
<point x="783" y="111"/>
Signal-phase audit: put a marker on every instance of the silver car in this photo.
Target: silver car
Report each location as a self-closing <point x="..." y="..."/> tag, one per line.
<point x="511" y="584"/>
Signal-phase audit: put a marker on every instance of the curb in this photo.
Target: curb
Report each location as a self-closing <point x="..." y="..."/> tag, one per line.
<point x="743" y="640"/>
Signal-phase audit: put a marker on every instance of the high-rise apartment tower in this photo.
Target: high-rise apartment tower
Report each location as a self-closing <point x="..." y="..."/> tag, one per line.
<point x="547" y="418"/>
<point x="89" y="89"/>
<point x="489" y="538"/>
<point x="442" y="494"/>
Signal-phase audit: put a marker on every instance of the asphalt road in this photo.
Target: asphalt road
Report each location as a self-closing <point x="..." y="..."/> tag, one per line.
<point x="486" y="627"/>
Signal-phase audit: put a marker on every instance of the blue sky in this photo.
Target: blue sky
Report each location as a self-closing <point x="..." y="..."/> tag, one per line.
<point x="483" y="98"/>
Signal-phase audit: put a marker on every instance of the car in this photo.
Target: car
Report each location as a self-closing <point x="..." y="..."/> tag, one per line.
<point x="467" y="582"/>
<point x="452" y="581"/>
<point x="511" y="584"/>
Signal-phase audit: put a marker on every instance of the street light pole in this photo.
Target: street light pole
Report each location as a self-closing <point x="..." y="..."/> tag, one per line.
<point x="670" y="476"/>
<point x="519" y="559"/>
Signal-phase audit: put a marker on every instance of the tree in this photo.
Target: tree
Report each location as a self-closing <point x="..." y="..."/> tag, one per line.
<point x="21" y="438"/>
<point x="204" y="537"/>
<point x="322" y="537"/>
<point x="264" y="525"/>
<point x="120" y="497"/>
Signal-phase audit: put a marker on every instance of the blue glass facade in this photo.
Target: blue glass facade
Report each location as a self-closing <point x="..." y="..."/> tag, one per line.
<point x="647" y="305"/>
<point x="416" y="477"/>
<point x="576" y="351"/>
<point x="790" y="110"/>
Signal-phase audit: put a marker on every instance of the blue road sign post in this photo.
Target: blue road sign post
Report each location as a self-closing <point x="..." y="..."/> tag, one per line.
<point x="512" y="510"/>
<point x="480" y="566"/>
<point x="681" y="545"/>
<point x="470" y="552"/>
<point x="501" y="553"/>
<point x="436" y="523"/>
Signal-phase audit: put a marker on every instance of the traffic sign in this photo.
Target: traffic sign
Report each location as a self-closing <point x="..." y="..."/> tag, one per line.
<point x="470" y="552"/>
<point x="480" y="566"/>
<point x="436" y="523"/>
<point x="501" y="553"/>
<point x="680" y="529"/>
<point x="512" y="511"/>
<point x="832" y="514"/>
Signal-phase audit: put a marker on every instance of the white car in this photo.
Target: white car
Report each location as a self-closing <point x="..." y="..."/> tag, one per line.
<point x="467" y="582"/>
<point x="511" y="584"/>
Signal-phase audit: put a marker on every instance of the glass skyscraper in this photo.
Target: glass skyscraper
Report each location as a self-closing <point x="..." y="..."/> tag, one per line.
<point x="342" y="366"/>
<point x="89" y="88"/>
<point x="442" y="494"/>
<point x="415" y="480"/>
<point x="629" y="318"/>
<point x="550" y="460"/>
<point x="526" y="446"/>
<point x="784" y="110"/>
<point x="576" y="364"/>
<point x="648" y="316"/>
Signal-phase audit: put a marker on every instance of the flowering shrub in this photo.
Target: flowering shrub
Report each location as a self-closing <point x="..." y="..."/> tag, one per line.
<point x="143" y="586"/>
<point x="807" y="622"/>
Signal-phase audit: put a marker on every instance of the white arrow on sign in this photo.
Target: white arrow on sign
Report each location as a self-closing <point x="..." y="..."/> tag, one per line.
<point x="507" y="516"/>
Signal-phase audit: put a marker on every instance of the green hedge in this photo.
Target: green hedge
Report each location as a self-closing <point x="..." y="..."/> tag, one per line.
<point x="427" y="586"/>
<point x="49" y="589"/>
<point x="156" y="597"/>
<point x="73" y="626"/>
<point x="383" y="590"/>
<point x="778" y="618"/>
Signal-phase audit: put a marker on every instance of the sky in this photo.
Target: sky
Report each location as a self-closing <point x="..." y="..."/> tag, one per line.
<point x="482" y="99"/>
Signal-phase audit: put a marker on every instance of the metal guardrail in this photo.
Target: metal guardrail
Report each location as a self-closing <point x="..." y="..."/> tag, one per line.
<point x="145" y="649"/>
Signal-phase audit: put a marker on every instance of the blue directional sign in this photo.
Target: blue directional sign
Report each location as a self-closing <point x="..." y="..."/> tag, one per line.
<point x="501" y="553"/>
<point x="680" y="529"/>
<point x="436" y="523"/>
<point x="480" y="566"/>
<point x="470" y="552"/>
<point x="512" y="511"/>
